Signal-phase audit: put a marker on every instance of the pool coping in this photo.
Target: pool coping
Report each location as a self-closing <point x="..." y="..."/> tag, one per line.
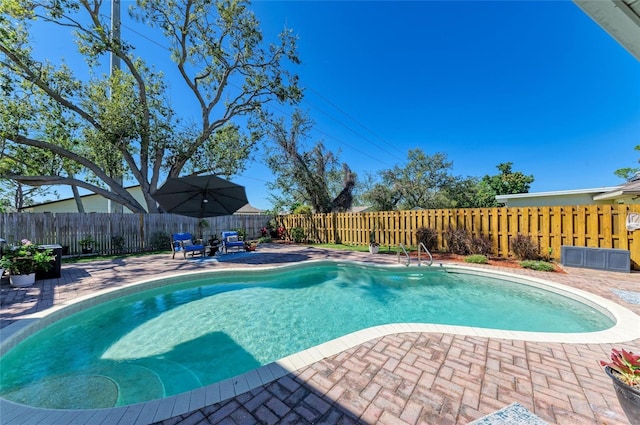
<point x="160" y="409"/>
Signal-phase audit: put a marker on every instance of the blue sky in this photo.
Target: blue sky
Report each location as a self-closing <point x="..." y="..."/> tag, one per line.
<point x="535" y="83"/>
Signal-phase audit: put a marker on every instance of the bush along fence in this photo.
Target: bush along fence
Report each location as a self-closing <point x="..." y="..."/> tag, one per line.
<point x="109" y="233"/>
<point x="596" y="226"/>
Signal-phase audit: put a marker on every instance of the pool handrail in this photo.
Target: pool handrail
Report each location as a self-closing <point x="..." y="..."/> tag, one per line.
<point x="421" y="245"/>
<point x="401" y="247"/>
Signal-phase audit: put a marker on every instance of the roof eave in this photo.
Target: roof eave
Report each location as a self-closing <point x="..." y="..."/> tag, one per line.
<point x="618" y="18"/>
<point x="616" y="195"/>
<point x="502" y="198"/>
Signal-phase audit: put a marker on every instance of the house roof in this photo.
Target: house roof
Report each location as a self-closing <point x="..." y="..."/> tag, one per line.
<point x="249" y="209"/>
<point x="630" y="189"/>
<point x="593" y="191"/>
<point x="359" y="209"/>
<point x="620" y="18"/>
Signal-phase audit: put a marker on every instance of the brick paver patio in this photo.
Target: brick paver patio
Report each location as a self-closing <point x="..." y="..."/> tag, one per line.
<point x="405" y="378"/>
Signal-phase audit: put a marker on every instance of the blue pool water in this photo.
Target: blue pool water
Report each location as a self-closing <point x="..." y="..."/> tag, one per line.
<point x="172" y="339"/>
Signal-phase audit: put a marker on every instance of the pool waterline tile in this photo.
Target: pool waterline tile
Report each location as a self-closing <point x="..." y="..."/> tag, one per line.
<point x="212" y="394"/>
<point x="197" y="398"/>
<point x="181" y="405"/>
<point x="149" y="410"/>
<point x="253" y="379"/>
<point x="227" y="389"/>
<point x="265" y="374"/>
<point x="241" y="384"/>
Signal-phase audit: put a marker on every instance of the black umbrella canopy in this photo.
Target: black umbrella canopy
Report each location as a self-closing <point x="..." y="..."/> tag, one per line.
<point x="200" y="196"/>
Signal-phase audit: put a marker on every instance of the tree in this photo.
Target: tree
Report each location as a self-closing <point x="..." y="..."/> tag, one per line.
<point x="484" y="196"/>
<point x="628" y="172"/>
<point x="306" y="177"/>
<point x="23" y="160"/>
<point x="381" y="197"/>
<point x="506" y="183"/>
<point x="464" y="192"/>
<point x="124" y="124"/>
<point x="420" y="183"/>
<point x="427" y="181"/>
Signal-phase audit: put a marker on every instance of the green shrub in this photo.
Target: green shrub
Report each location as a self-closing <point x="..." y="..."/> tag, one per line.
<point x="542" y="266"/>
<point x="476" y="259"/>
<point x="117" y="243"/>
<point x="265" y="239"/>
<point x="480" y="245"/>
<point x="297" y="233"/>
<point x="242" y="233"/>
<point x="87" y="242"/>
<point x="524" y="248"/>
<point x="160" y="240"/>
<point x="458" y="241"/>
<point x="302" y="209"/>
<point x="428" y="236"/>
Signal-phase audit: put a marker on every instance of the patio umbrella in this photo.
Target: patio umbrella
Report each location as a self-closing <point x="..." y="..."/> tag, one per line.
<point x="200" y="196"/>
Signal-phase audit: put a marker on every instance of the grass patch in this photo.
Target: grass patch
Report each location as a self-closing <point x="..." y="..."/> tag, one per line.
<point x="476" y="259"/>
<point x="541" y="266"/>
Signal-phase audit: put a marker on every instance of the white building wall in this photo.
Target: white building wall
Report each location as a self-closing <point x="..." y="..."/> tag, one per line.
<point x="553" y="201"/>
<point x="91" y="203"/>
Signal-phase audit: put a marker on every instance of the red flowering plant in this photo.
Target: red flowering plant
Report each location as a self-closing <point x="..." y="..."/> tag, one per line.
<point x="626" y="366"/>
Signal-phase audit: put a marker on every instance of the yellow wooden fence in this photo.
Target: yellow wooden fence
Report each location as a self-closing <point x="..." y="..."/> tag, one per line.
<point x="597" y="226"/>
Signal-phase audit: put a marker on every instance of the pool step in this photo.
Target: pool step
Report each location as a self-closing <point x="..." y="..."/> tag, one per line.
<point x="128" y="376"/>
<point x="175" y="377"/>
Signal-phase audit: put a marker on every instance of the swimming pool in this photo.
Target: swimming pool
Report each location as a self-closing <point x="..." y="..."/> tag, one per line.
<point x="254" y="318"/>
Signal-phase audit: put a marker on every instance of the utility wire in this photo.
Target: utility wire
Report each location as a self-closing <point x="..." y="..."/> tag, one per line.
<point x="140" y="34"/>
<point x="340" y="142"/>
<point x="348" y="128"/>
<point x="358" y="123"/>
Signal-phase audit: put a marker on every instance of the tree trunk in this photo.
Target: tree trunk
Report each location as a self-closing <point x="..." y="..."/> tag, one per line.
<point x="78" y="199"/>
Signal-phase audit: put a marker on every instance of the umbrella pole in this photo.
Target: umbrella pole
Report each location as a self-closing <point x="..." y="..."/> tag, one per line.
<point x="202" y="224"/>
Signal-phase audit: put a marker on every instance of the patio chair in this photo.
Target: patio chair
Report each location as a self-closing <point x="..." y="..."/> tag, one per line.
<point x="183" y="242"/>
<point x="230" y="239"/>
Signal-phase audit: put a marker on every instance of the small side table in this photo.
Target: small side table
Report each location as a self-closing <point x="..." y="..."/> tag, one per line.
<point x="211" y="250"/>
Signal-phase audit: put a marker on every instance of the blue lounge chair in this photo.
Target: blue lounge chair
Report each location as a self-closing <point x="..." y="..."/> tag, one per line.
<point x="183" y="242"/>
<point x="231" y="240"/>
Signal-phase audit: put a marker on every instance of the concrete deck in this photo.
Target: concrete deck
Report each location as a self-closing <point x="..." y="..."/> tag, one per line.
<point x="393" y="375"/>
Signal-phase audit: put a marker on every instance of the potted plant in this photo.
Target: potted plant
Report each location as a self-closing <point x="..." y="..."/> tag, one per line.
<point x="87" y="244"/>
<point x="202" y="224"/>
<point x="24" y="260"/>
<point x="374" y="246"/>
<point x="2" y="241"/>
<point x="624" y="371"/>
<point x="117" y="243"/>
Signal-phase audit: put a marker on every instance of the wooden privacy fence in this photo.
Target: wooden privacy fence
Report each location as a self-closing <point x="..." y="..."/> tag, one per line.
<point x="597" y="226"/>
<point x="138" y="230"/>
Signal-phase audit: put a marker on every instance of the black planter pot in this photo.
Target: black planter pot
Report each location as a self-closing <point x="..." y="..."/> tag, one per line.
<point x="628" y="396"/>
